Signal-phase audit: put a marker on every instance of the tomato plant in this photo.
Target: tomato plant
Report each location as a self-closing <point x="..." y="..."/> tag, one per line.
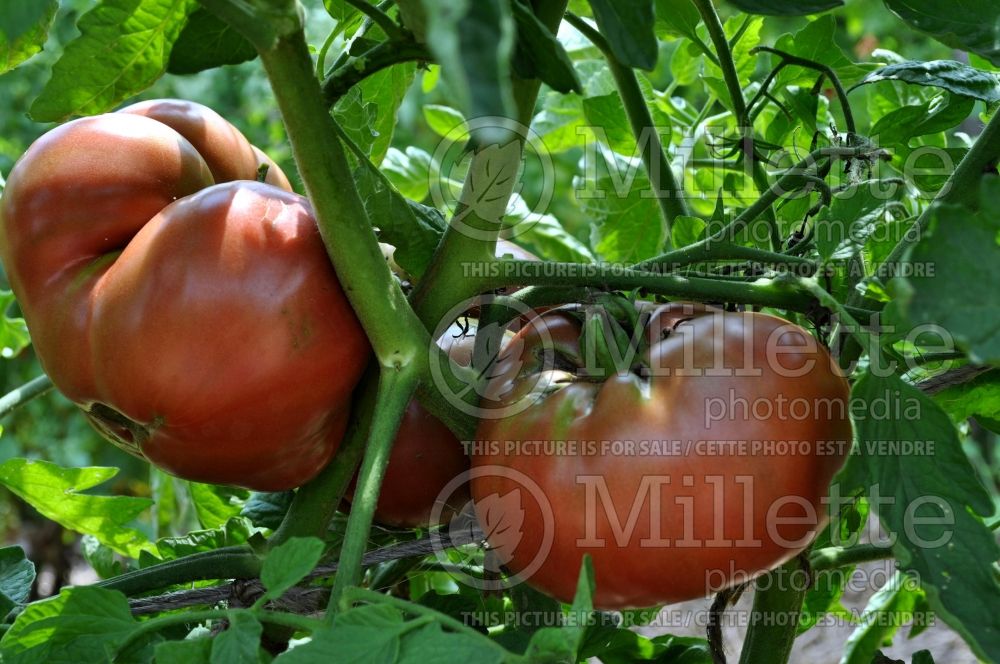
<point x="817" y="178"/>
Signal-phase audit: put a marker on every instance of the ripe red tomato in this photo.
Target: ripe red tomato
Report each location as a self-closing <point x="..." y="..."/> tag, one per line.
<point x="425" y="457"/>
<point x="705" y="466"/>
<point x="198" y="325"/>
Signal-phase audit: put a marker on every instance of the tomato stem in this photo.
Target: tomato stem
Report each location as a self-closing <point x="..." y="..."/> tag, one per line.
<point x="395" y="389"/>
<point x="231" y="562"/>
<point x="668" y="191"/>
<point x="774" y="617"/>
<point x="471" y="238"/>
<point x="19" y="396"/>
<point x="315" y="503"/>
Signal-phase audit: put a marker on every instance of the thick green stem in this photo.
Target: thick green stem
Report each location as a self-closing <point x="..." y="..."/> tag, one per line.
<point x="669" y="192"/>
<point x="17" y="397"/>
<point x="395" y="388"/>
<point x="315" y="503"/>
<point x="717" y="33"/>
<point x="231" y="562"/>
<point x="762" y="293"/>
<point x="291" y="620"/>
<point x="394" y="331"/>
<point x="470" y="236"/>
<point x="774" y="617"/>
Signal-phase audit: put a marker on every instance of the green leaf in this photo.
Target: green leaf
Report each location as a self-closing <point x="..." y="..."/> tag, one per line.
<point x="410" y="172"/>
<point x="978" y="397"/>
<point x="817" y="41"/>
<point x="365" y="634"/>
<point x="922" y="657"/>
<point x="413" y="229"/>
<point x="432" y="644"/>
<point x="443" y="120"/>
<point x="215" y="504"/>
<point x="474" y="40"/>
<point x="240" y="643"/>
<point x="235" y="531"/>
<point x="560" y="121"/>
<point x="608" y="122"/>
<point x="629" y="27"/>
<point x="963" y="247"/>
<point x="370" y="108"/>
<point x="854" y="214"/>
<point x="55" y="492"/>
<point x="17" y="573"/>
<point x="686" y="230"/>
<point x="786" y="7"/>
<point x="545" y="237"/>
<point x="896" y="128"/>
<point x="83" y="624"/>
<point x="267" y="510"/>
<point x="289" y="563"/>
<point x="976" y="27"/>
<point x="678" y="17"/>
<point x="946" y="533"/>
<point x="627" y="226"/>
<point x="877" y="623"/>
<point x="538" y="54"/>
<point x="122" y="49"/>
<point x="13" y="331"/>
<point x="956" y="77"/>
<point x="207" y="42"/>
<point x="188" y="651"/>
<point x="24" y="26"/>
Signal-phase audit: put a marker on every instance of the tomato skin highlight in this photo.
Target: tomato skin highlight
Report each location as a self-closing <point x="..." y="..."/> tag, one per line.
<point x="199" y="325"/>
<point x="652" y="481"/>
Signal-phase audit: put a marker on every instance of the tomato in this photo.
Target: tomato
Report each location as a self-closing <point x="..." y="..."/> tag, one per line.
<point x="190" y="312"/>
<point x="425" y="457"/>
<point x="703" y="466"/>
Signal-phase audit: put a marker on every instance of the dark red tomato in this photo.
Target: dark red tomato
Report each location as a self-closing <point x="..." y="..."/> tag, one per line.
<point x="197" y="321"/>
<point x="703" y="467"/>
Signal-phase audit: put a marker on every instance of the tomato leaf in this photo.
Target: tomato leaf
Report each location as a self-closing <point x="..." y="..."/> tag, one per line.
<point x="56" y="493"/>
<point x="288" y="563"/>
<point x="240" y="643"/>
<point x="538" y="54"/>
<point x="963" y="247"/>
<point x="877" y="626"/>
<point x="122" y="49"/>
<point x="627" y="222"/>
<point x="474" y="41"/>
<point x="207" y="42"/>
<point x="188" y="651"/>
<point x="13" y="331"/>
<point x="24" y="26"/>
<point x="83" y="624"/>
<point x="975" y="28"/>
<point x="678" y="17"/>
<point x="215" y="504"/>
<point x="786" y="7"/>
<point x="956" y="77"/>
<point x="947" y="533"/>
<point x="629" y="27"/>
<point x="17" y="574"/>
